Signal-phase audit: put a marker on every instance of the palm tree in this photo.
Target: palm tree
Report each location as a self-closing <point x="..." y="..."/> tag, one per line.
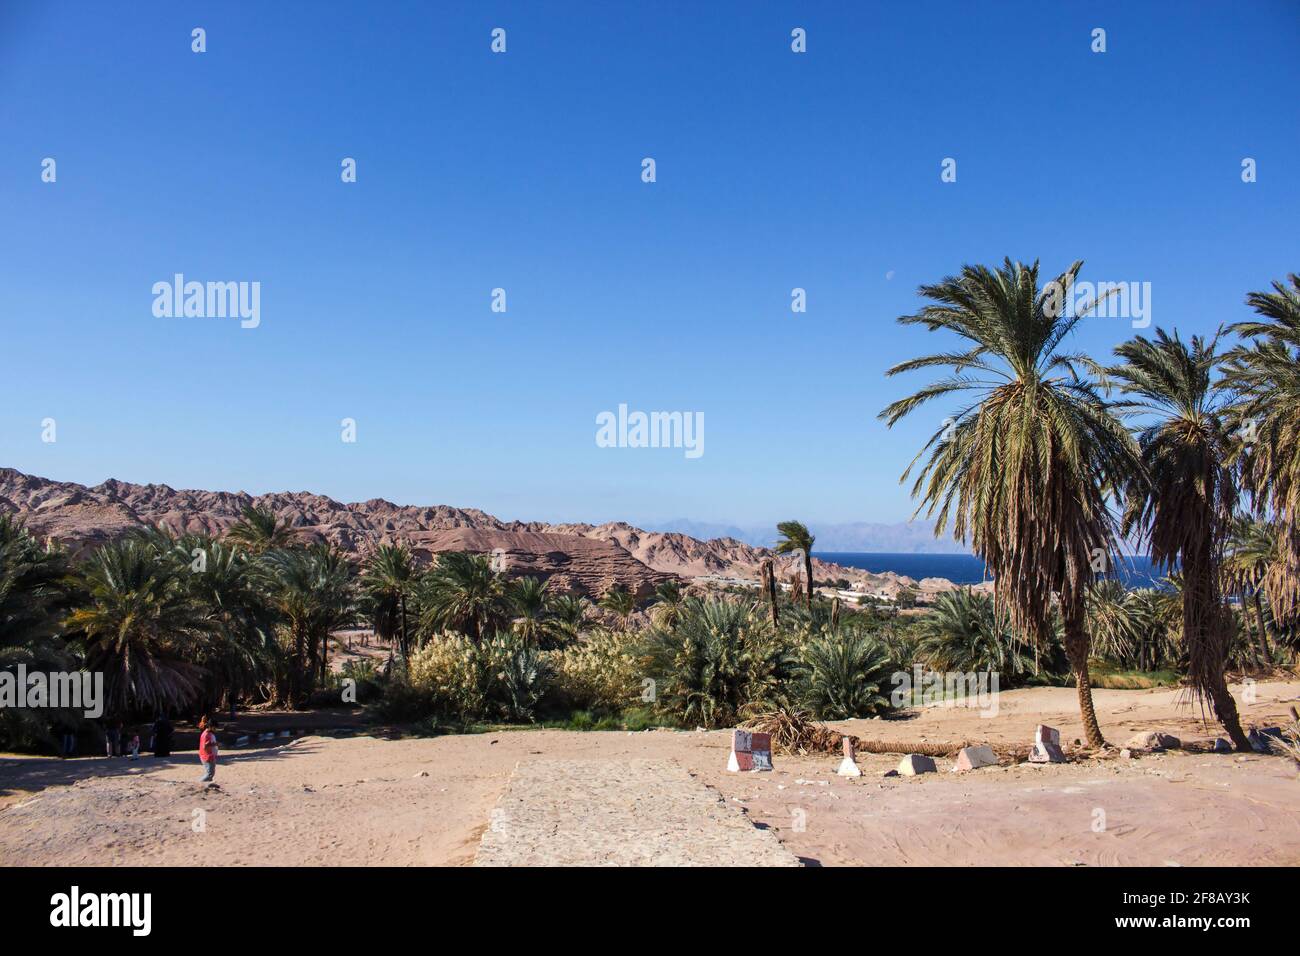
<point x="35" y="591"/>
<point x="570" y="613"/>
<point x="767" y="574"/>
<point x="842" y="674"/>
<point x="668" y="604"/>
<point x="1025" y="469"/>
<point x="1133" y="627"/>
<point x="965" y="633"/>
<point x="1183" y="499"/>
<point x="1265" y="372"/>
<point x="1252" y="563"/>
<point x="140" y="627"/>
<point x="258" y="530"/>
<point x="390" y="577"/>
<point x="531" y="606"/>
<point x="462" y="593"/>
<point x="795" y="538"/>
<point x="311" y="591"/>
<point x="717" y="663"/>
<point x="222" y="581"/>
<point x="620" y="602"/>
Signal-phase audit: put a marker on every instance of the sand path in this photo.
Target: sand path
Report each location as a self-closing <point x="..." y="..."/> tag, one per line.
<point x="367" y="801"/>
<point x="630" y="813"/>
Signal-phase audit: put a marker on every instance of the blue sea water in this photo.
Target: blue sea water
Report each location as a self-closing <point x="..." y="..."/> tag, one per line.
<point x="1135" y="571"/>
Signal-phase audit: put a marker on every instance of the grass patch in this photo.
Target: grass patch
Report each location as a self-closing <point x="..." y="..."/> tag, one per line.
<point x="1110" y="677"/>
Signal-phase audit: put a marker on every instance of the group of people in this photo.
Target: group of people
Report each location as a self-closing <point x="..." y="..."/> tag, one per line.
<point x="119" y="740"/>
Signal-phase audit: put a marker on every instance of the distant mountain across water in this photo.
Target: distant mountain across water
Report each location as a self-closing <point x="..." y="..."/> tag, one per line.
<point x="1136" y="571"/>
<point x="904" y="537"/>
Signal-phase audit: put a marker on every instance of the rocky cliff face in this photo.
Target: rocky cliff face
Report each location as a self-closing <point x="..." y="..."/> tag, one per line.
<point x="583" y="557"/>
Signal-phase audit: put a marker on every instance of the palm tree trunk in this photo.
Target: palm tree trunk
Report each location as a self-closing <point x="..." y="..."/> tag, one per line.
<point x="807" y="566"/>
<point x="768" y="574"/>
<point x="1263" y="630"/>
<point x="1252" y="643"/>
<point x="406" y="646"/>
<point x="1076" y="649"/>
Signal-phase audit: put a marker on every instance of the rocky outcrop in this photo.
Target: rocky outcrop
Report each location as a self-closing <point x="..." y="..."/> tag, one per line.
<point x="584" y="557"/>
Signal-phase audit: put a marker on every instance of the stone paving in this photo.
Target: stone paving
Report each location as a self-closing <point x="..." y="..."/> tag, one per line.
<point x="620" y="813"/>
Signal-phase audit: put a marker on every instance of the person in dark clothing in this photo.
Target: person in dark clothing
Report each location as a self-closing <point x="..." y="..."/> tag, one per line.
<point x="162" y="736"/>
<point x="112" y="740"/>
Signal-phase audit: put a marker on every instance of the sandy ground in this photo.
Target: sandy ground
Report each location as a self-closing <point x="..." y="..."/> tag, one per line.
<point x="367" y="801"/>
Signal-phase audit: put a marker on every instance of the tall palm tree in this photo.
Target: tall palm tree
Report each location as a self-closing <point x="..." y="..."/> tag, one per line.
<point x="258" y="530"/>
<point x="620" y="602"/>
<point x="36" y="588"/>
<point x="668" y="603"/>
<point x="1252" y="564"/>
<point x="767" y="575"/>
<point x="1265" y="371"/>
<point x="794" y="538"/>
<point x="311" y="591"/>
<point x="530" y="604"/>
<point x="1184" y="497"/>
<point x="1025" y="468"/>
<point x="141" y="627"/>
<point x="390" y="577"/>
<point x="570" y="613"/>
<point x="221" y="580"/>
<point x="462" y="593"/>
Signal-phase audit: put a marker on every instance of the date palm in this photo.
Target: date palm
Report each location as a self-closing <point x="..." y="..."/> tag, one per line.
<point x="1026" y="467"/>
<point x="140" y="627"/>
<point x="258" y="530"/>
<point x="530" y="603"/>
<point x="795" y="539"/>
<point x="570" y="615"/>
<point x="1265" y="372"/>
<point x="620" y="602"/>
<point x="35" y="591"/>
<point x="463" y="593"/>
<point x="668" y="603"/>
<point x="389" y="579"/>
<point x="1183" y="499"/>
<point x="1252" y="564"/>
<point x="224" y="582"/>
<point x="311" y="590"/>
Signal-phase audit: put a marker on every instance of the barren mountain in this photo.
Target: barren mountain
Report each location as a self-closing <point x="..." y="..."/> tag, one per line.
<point x="587" y="558"/>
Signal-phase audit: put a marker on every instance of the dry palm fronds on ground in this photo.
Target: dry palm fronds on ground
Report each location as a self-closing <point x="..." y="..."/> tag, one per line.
<point x="1288" y="745"/>
<point x="797" y="732"/>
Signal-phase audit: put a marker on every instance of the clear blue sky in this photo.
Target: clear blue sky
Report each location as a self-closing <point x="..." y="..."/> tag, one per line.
<point x="522" y="171"/>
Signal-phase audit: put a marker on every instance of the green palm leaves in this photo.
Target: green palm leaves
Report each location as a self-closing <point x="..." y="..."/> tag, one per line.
<point x="1022" y="470"/>
<point x="1265" y="375"/>
<point x="1183" y="497"/>
<point x="795" y="538"/>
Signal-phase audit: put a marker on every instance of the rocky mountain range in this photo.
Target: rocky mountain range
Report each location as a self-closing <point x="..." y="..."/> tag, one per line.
<point x="588" y="558"/>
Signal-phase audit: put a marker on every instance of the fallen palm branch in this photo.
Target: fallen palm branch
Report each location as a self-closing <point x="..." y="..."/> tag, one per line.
<point x="1288" y="745"/>
<point x="797" y="732"/>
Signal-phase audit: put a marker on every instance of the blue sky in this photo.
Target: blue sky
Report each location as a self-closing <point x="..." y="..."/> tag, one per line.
<point x="522" y="171"/>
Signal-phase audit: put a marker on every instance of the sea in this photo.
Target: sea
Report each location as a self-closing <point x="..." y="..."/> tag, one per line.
<point x="1136" y="571"/>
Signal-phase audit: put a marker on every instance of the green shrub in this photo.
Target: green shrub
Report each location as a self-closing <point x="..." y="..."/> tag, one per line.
<point x="502" y="677"/>
<point x="600" y="672"/>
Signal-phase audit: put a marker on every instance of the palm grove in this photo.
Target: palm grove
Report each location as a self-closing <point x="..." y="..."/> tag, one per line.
<point x="1191" y="447"/>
